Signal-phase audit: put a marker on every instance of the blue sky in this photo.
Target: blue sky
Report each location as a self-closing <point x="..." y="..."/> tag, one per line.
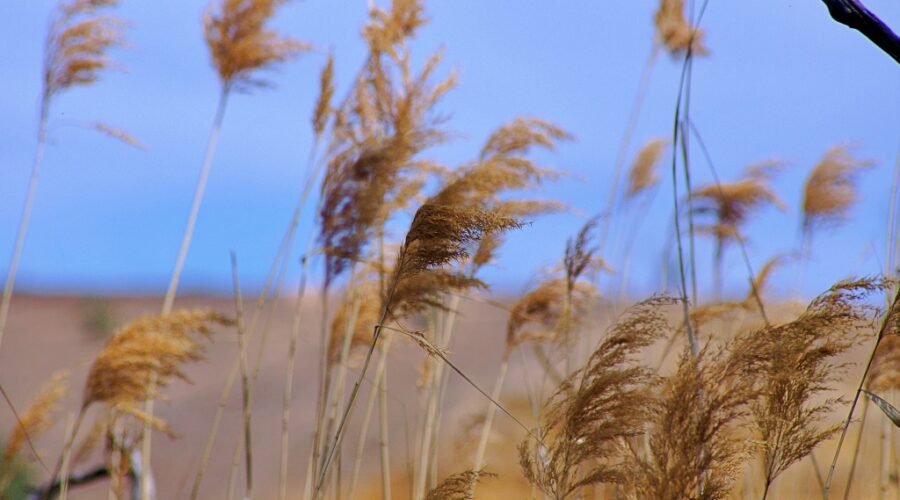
<point x="783" y="81"/>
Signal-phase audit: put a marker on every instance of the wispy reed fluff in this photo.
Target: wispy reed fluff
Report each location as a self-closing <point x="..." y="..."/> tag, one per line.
<point x="830" y="189"/>
<point x="794" y="364"/>
<point x="457" y="486"/>
<point x="240" y="43"/>
<point x="77" y="43"/>
<point x="149" y="349"/>
<point x="695" y="446"/>
<point x="642" y="175"/>
<point x="732" y="203"/>
<point x="379" y="132"/>
<point x="451" y="225"/>
<point x="675" y="31"/>
<point x="730" y="206"/>
<point x="538" y="315"/>
<point x="597" y="409"/>
<point x="37" y="418"/>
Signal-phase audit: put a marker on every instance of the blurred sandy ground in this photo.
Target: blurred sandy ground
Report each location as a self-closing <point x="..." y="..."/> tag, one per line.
<point x="47" y="333"/>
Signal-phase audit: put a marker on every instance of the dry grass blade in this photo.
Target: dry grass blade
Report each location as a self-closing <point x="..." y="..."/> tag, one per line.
<point x="92" y="440"/>
<point x="674" y="30"/>
<point x="888" y="409"/>
<point x="119" y="134"/>
<point x="240" y="43"/>
<point x="458" y="486"/>
<point x="596" y="409"/>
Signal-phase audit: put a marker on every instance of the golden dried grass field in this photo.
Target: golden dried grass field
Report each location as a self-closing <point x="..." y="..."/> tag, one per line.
<point x="412" y="380"/>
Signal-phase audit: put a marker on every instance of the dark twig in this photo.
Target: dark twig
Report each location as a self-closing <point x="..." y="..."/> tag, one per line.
<point x="854" y="14"/>
<point x="95" y="474"/>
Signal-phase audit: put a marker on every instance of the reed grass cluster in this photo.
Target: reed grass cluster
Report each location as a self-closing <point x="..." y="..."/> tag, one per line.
<point x="584" y="382"/>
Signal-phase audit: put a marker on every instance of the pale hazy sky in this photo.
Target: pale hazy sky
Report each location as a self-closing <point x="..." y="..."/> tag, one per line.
<point x="783" y="81"/>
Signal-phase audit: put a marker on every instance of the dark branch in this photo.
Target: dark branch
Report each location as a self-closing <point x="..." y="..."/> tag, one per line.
<point x="855" y="15"/>
<point x="76" y="479"/>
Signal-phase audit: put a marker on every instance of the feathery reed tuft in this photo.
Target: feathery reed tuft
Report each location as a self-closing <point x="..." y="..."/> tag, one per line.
<point x="322" y="111"/>
<point x="830" y="189"/>
<point x="732" y="203"/>
<point x="439" y="234"/>
<point x="642" y="175"/>
<point x="695" y="449"/>
<point x="152" y="348"/>
<point x="77" y="42"/>
<point x="458" y="486"/>
<point x="240" y="44"/>
<point x="794" y="363"/>
<point x="596" y="409"/>
<point x="38" y="417"/>
<point x="674" y="30"/>
<point x="537" y="315"/>
<point x="379" y="131"/>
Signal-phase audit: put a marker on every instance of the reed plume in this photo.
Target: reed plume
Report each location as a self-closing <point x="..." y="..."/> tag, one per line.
<point x="77" y="43"/>
<point x="75" y="54"/>
<point x="37" y="418"/>
<point x="240" y="44"/>
<point x="140" y="358"/>
<point x="152" y="347"/>
<point x="457" y="486"/>
<point x="537" y="315"/>
<point x="674" y="30"/>
<point x="373" y="165"/>
<point x="830" y="189"/>
<point x="695" y="448"/>
<point x="503" y="165"/>
<point x="445" y="230"/>
<point x="793" y="364"/>
<point x="642" y="174"/>
<point x="595" y="410"/>
<point x="731" y="205"/>
<point x="323" y="110"/>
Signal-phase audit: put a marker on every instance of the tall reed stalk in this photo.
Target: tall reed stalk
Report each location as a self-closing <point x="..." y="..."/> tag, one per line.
<point x="74" y="54"/>
<point x="240" y="44"/>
